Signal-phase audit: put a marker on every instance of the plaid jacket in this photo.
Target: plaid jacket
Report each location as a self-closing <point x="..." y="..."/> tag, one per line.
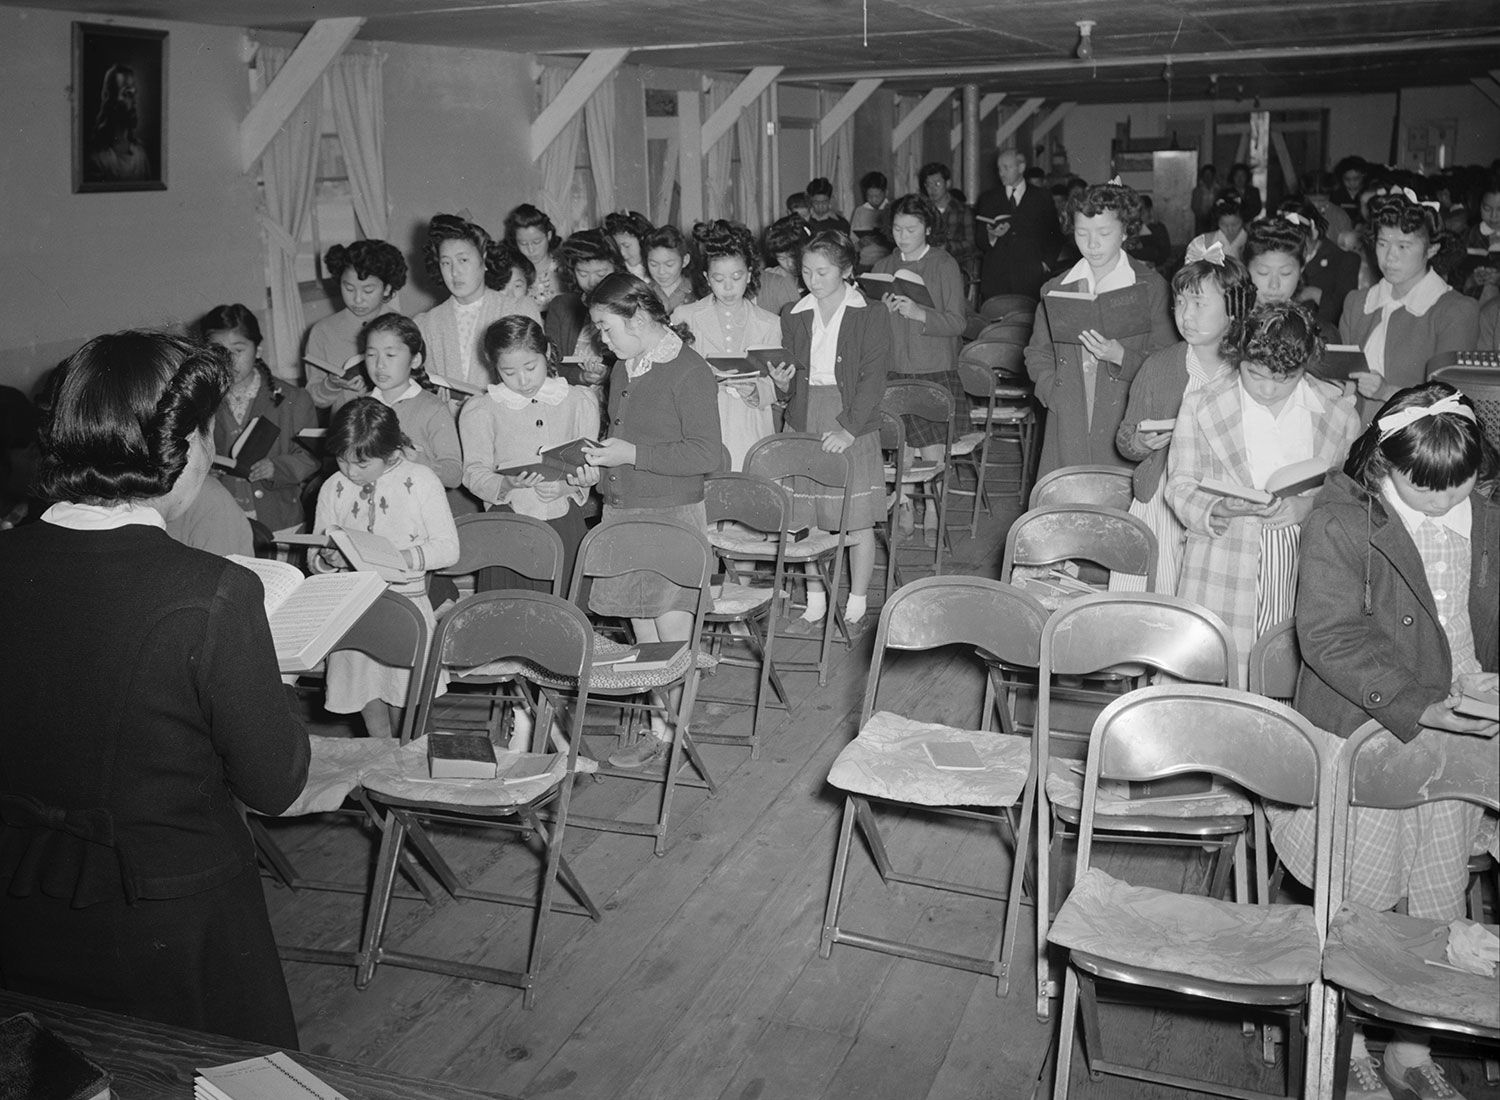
<point x="1219" y="571"/>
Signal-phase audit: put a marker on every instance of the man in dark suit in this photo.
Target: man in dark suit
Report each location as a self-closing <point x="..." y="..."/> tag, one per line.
<point x="1015" y="252"/>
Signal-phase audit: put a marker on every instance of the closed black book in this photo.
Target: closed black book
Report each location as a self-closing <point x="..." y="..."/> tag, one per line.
<point x="250" y="446"/>
<point x="460" y="756"/>
<point x="38" y="1065"/>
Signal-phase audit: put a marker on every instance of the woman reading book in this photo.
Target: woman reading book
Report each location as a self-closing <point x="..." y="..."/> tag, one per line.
<point x="143" y="707"/>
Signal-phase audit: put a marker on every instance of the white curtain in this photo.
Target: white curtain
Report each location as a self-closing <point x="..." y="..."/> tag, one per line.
<point x="599" y="126"/>
<point x="747" y="134"/>
<point x="836" y="157"/>
<point x="289" y="167"/>
<point x="354" y="88"/>
<point x="560" y="158"/>
<point x="716" y="161"/>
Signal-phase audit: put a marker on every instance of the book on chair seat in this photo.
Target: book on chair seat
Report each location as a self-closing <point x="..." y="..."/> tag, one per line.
<point x="309" y="615"/>
<point x="252" y="444"/>
<point x="644" y="657"/>
<point x="460" y="756"/>
<point x="37" y="1064"/>
<point x="1289" y="481"/>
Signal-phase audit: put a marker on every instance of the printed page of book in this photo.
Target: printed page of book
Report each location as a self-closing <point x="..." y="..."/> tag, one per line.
<point x="318" y="614"/>
<point x="273" y="1077"/>
<point x="279" y="579"/>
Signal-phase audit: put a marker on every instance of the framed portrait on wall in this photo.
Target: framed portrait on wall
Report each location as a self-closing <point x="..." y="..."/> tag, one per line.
<point x="119" y="108"/>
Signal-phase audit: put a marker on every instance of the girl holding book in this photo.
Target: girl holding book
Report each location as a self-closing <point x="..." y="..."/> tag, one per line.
<point x="1411" y="314"/>
<point x="1241" y="429"/>
<point x="1396" y="621"/>
<point x="629" y="230"/>
<point x="1276" y="251"/>
<point x="925" y="339"/>
<point x="663" y="440"/>
<point x="726" y="323"/>
<point x="272" y="491"/>
<point x="1208" y="294"/>
<point x="528" y="409"/>
<point x="481" y="278"/>
<point x="844" y="343"/>
<point x="394" y="352"/>
<point x="531" y="233"/>
<point x="584" y="260"/>
<point x="669" y="259"/>
<point x="369" y="274"/>
<point x="378" y="489"/>
<point x="1082" y="373"/>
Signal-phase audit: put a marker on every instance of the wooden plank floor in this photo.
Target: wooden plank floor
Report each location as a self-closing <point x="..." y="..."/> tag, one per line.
<point x="703" y="979"/>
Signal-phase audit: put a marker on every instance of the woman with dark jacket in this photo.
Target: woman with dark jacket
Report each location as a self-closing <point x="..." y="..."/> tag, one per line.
<point x="142" y="707"/>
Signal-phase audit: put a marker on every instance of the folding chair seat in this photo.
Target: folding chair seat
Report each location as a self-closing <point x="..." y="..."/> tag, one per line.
<point x="922" y="480"/>
<point x="784" y="459"/>
<point x="1380" y="967"/>
<point x="1103" y="486"/>
<point x="1162" y="947"/>
<point x="539" y="631"/>
<point x="764" y="508"/>
<point x="1044" y="540"/>
<point x="393" y="632"/>
<point x="888" y="764"/>
<point x="680" y="555"/>
<point x="1131" y="637"/>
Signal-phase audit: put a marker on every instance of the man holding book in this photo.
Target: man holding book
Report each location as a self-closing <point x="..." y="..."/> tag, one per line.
<point x="1016" y="230"/>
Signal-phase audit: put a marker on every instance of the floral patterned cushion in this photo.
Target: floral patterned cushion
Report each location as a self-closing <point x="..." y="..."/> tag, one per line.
<point x="740" y="599"/>
<point x="404" y="775"/>
<point x="606" y="678"/>
<point x="337" y="766"/>
<point x="759" y="549"/>
<point x="1181" y="934"/>
<point x="1065" y="788"/>
<point x="887" y="760"/>
<point x="1386" y="955"/>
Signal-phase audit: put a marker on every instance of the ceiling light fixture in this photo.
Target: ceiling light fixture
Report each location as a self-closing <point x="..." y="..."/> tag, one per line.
<point x="1084" y="51"/>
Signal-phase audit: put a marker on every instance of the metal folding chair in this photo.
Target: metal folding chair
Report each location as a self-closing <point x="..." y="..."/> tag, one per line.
<point x="889" y="765"/>
<point x="1051" y="536"/>
<point x="1103" y="486"/>
<point x="1171" y="948"/>
<point x="926" y="481"/>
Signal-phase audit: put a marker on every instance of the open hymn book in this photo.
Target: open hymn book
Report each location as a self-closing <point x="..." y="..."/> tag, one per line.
<point x="1289" y="481"/>
<point x="363" y="550"/>
<point x="877" y="285"/>
<point x="310" y="615"/>
<point x="273" y="1077"/>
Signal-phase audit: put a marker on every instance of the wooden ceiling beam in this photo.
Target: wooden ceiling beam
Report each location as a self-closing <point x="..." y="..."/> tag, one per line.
<point x="1488" y="87"/>
<point x="593" y="71"/>
<point x="842" y="111"/>
<point x="1013" y="123"/>
<point x="744" y="94"/>
<point x="319" y="48"/>
<point x="918" y="115"/>
<point x="1059" y="113"/>
<point x="988" y="102"/>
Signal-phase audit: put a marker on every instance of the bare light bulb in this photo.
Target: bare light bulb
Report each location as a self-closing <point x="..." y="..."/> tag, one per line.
<point x="1085" y="50"/>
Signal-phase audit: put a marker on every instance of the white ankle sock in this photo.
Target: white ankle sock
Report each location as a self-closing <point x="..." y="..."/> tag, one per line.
<point x="520" y="730"/>
<point x="1407" y="1055"/>
<point x="854" y="610"/>
<point x="817" y="606"/>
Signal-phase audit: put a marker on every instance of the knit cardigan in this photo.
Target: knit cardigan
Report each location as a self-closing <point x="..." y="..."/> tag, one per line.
<point x="1451" y="324"/>
<point x="929" y="346"/>
<point x="439" y="328"/>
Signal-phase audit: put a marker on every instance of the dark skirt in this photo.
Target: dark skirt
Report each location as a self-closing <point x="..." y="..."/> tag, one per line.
<point x="206" y="961"/>
<point x="929" y="433"/>
<point x="816" y="506"/>
<point x="644" y="594"/>
<point x="569" y="527"/>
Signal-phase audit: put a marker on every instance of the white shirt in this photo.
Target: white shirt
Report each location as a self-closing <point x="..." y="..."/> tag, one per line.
<point x="412" y="390"/>
<point x="1016" y="193"/>
<point x="1459" y="519"/>
<point x="1116" y="278"/>
<point x="824" y="352"/>
<point x="1274" y="440"/>
<point x="103" y="517"/>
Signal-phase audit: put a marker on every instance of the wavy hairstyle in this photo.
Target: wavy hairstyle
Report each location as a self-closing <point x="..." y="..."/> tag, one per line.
<point x="1270" y="235"/>
<point x="365" y="428"/>
<point x="125" y="410"/>
<point x="723" y="239"/>
<point x="675" y="240"/>
<point x="502" y="264"/>
<point x="1396" y="211"/>
<point x="1436" y="452"/>
<point x="624" y="295"/>
<point x="585" y="246"/>
<point x="527" y="216"/>
<point x="369" y="259"/>
<point x="788" y="234"/>
<point x="1102" y="197"/>
<point x="451" y="227"/>
<point x="1282" y="337"/>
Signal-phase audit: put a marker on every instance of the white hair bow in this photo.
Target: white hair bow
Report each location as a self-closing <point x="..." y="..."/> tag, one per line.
<point x="1115" y="181"/>
<point x="1298" y="219"/>
<point x="1214" y="253"/>
<point x="1411" y="196"/>
<point x="1390" y="425"/>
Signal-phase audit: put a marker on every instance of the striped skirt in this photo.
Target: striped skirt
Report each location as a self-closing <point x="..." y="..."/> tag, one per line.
<point x="1276" y="581"/>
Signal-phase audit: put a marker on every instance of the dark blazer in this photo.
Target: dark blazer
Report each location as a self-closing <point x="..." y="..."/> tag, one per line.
<point x="864" y="359"/>
<point x="1336" y="273"/>
<point x="1391" y="662"/>
<point x="1017" y="262"/>
<point x="142" y="706"/>
<point x="277" y="500"/>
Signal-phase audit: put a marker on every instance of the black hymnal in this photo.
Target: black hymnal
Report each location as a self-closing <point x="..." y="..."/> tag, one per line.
<point x="555" y="463"/>
<point x="1115" y="314"/>
<point x="353" y="366"/>
<point x="755" y="363"/>
<point x="252" y="444"/>
<point x="38" y="1065"/>
<point x="460" y="756"/>
<point x="878" y="284"/>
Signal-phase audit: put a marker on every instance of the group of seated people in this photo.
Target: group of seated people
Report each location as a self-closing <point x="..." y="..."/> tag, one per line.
<point x="604" y="337"/>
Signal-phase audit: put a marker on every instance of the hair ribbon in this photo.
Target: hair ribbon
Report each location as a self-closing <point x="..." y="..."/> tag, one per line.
<point x="1396" y="421"/>
<point x="1411" y="197"/>
<point x="1298" y="219"/>
<point x="1115" y="181"/>
<point x="1214" y="253"/>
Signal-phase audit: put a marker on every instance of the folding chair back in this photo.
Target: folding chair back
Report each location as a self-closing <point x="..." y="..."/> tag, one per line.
<point x="798" y="454"/>
<point x="1005" y="307"/>
<point x="996" y="356"/>
<point x="521" y="543"/>
<point x="1103" y="486"/>
<point x="670" y="549"/>
<point x="1167" y="633"/>
<point x="393" y="632"/>
<point x="923" y="400"/>
<point x="754" y="501"/>
<point x="1386" y="773"/>
<point x="1056" y="533"/>
<point x="1275" y="661"/>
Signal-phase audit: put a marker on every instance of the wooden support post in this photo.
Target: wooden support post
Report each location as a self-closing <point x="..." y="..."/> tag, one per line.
<point x="745" y="92"/>
<point x="319" y="48"/>
<point x="971" y="141"/>
<point x="591" y="72"/>
<point x="1284" y="159"/>
<point x="842" y="111"/>
<point x="1059" y="113"/>
<point x="690" y="156"/>
<point x="1488" y="87"/>
<point x="919" y="114"/>
<point x="772" y="196"/>
<point x="1013" y="123"/>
